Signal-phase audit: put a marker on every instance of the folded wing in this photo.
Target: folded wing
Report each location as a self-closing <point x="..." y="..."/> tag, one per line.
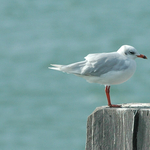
<point x="95" y="65"/>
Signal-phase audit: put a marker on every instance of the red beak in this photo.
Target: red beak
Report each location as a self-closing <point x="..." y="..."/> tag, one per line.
<point x="142" y="56"/>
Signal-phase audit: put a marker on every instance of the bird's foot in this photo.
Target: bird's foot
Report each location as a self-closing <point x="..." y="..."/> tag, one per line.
<point x="118" y="106"/>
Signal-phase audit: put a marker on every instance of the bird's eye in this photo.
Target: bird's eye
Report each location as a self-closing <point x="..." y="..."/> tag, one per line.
<point x="131" y="52"/>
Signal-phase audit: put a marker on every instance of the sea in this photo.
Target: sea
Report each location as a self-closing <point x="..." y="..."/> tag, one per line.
<point x="43" y="109"/>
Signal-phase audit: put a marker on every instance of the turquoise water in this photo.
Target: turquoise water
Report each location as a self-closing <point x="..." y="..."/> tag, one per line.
<point x="46" y="109"/>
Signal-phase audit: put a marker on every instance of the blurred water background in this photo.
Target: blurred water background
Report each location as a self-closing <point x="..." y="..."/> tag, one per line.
<point x="42" y="109"/>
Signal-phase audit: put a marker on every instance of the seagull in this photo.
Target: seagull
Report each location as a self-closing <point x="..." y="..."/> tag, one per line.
<point x="105" y="68"/>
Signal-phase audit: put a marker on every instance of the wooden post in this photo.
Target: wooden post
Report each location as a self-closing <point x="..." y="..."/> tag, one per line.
<point x="126" y="128"/>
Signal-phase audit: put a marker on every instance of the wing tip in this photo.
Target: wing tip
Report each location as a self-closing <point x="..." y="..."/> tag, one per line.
<point x="55" y="67"/>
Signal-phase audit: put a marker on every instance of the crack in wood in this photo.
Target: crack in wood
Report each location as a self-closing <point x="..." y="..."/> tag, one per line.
<point x="135" y="129"/>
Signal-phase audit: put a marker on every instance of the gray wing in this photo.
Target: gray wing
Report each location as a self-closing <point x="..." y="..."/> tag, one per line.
<point x="98" y="64"/>
<point x="75" y="68"/>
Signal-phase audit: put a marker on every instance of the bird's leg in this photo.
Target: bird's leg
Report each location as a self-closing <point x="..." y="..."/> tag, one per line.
<point x="107" y="91"/>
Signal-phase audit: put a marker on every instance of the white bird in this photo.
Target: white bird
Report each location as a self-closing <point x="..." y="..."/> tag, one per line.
<point x="105" y="68"/>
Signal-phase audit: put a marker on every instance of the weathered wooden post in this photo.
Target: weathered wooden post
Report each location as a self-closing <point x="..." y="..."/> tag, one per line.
<point x="126" y="128"/>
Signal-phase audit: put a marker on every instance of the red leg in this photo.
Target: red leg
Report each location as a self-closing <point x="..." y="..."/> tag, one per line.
<point x="107" y="90"/>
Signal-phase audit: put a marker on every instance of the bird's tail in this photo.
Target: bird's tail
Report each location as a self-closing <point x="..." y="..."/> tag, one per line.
<point x="75" y="68"/>
<point x="55" y="67"/>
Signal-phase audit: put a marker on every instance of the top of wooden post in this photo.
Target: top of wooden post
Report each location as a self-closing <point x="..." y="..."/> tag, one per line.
<point x="127" y="106"/>
<point x="127" y="127"/>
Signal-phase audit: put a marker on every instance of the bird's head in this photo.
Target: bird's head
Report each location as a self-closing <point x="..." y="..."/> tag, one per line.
<point x="130" y="52"/>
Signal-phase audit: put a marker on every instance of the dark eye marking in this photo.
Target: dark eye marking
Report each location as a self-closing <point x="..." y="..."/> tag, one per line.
<point x="131" y="52"/>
